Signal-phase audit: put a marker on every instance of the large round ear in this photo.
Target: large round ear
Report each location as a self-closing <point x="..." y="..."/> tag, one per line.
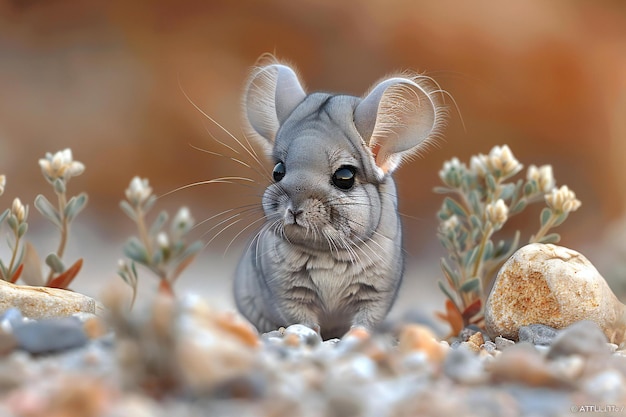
<point x="396" y="119"/>
<point x="272" y="93"/>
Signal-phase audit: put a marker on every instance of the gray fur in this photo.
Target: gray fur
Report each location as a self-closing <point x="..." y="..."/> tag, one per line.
<point x="326" y="257"/>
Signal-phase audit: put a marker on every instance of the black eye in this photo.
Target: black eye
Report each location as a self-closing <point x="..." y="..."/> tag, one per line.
<point x="279" y="171"/>
<point x="343" y="178"/>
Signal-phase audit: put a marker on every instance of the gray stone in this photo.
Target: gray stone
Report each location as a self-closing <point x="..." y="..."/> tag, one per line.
<point x="503" y="343"/>
<point x="50" y="335"/>
<point x="537" y="334"/>
<point x="584" y="338"/>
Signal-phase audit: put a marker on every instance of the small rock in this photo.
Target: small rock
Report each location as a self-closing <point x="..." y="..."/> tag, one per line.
<point x="489" y="347"/>
<point x="11" y="318"/>
<point x="503" y="343"/>
<point x="555" y="286"/>
<point x="584" y="338"/>
<point x="464" y="366"/>
<point x="94" y="327"/>
<point x="415" y="337"/>
<point x="8" y="343"/>
<point x="537" y="334"/>
<point x="50" y="335"/>
<point x="477" y="339"/>
<point x="43" y="302"/>
<point x="607" y="386"/>
<point x="301" y="334"/>
<point x="523" y="364"/>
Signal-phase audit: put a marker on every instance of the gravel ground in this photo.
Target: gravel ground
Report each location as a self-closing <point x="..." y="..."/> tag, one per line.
<point x="186" y="358"/>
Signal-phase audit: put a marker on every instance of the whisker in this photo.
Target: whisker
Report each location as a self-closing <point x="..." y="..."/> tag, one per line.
<point x="221" y="180"/>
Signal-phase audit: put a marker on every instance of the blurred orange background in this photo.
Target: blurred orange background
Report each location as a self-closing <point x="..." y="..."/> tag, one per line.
<point x="108" y="80"/>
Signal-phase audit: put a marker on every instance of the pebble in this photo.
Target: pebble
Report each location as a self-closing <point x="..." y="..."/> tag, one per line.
<point x="524" y="364"/>
<point x="301" y="334"/>
<point x="464" y="366"/>
<point x="50" y="335"/>
<point x="43" y="302"/>
<point x="537" y="334"/>
<point x="607" y="386"/>
<point x="503" y="343"/>
<point x="416" y="337"/>
<point x="584" y="338"/>
<point x="555" y="286"/>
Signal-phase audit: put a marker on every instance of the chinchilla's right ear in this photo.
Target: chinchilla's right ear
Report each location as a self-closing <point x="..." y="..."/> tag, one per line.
<point x="272" y="93"/>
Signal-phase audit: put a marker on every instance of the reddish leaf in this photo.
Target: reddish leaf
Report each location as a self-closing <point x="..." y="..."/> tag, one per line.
<point x="65" y="279"/>
<point x="166" y="288"/>
<point x="471" y="310"/>
<point x="453" y="317"/>
<point x="17" y="274"/>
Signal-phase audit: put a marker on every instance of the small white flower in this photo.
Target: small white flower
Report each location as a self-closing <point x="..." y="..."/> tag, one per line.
<point x="497" y="213"/>
<point x="138" y="191"/>
<point x="450" y="225"/>
<point x="562" y="200"/>
<point x="501" y="159"/>
<point x="182" y="223"/>
<point x="18" y="210"/>
<point x="452" y="172"/>
<point x="543" y="176"/>
<point x="3" y="183"/>
<point x="478" y="165"/>
<point x="60" y="165"/>
<point x="162" y="240"/>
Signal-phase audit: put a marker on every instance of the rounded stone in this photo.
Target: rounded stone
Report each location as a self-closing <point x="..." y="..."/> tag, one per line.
<point x="555" y="286"/>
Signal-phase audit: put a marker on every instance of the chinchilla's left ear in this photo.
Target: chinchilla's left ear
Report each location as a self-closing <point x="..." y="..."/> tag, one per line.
<point x="396" y="119"/>
<point x="272" y="93"/>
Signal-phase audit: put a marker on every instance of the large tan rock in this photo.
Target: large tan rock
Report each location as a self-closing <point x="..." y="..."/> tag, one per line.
<point x="555" y="286"/>
<point x="41" y="302"/>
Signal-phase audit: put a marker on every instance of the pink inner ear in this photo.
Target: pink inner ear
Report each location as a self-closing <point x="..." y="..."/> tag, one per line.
<point x="379" y="163"/>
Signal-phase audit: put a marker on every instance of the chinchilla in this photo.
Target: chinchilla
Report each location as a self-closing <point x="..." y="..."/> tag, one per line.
<point x="329" y="254"/>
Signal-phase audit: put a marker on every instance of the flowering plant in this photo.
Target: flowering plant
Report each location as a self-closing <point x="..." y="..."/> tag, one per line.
<point x="482" y="198"/>
<point x="165" y="253"/>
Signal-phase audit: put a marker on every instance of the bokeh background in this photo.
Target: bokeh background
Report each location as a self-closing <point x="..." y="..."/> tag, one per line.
<point x="108" y="79"/>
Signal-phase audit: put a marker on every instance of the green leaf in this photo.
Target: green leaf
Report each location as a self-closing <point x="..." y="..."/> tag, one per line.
<point x="135" y="250"/>
<point x="471" y="285"/>
<point x="59" y="186"/>
<point x="476" y="222"/>
<point x="518" y="207"/>
<point x="454" y="207"/>
<point x="4" y="214"/>
<point x="442" y="190"/>
<point x="546" y="214"/>
<point x="550" y="238"/>
<point x="470" y="257"/>
<point x="507" y="191"/>
<point x="158" y="223"/>
<point x="75" y="206"/>
<point x="530" y="188"/>
<point x="128" y="209"/>
<point x="450" y="274"/>
<point x="446" y="292"/>
<point x="559" y="220"/>
<point x="488" y="253"/>
<point x="12" y="222"/>
<point x="21" y="230"/>
<point x="149" y="203"/>
<point x="48" y="211"/>
<point x="474" y="198"/>
<point x="3" y="271"/>
<point x="491" y="182"/>
<point x="55" y="263"/>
